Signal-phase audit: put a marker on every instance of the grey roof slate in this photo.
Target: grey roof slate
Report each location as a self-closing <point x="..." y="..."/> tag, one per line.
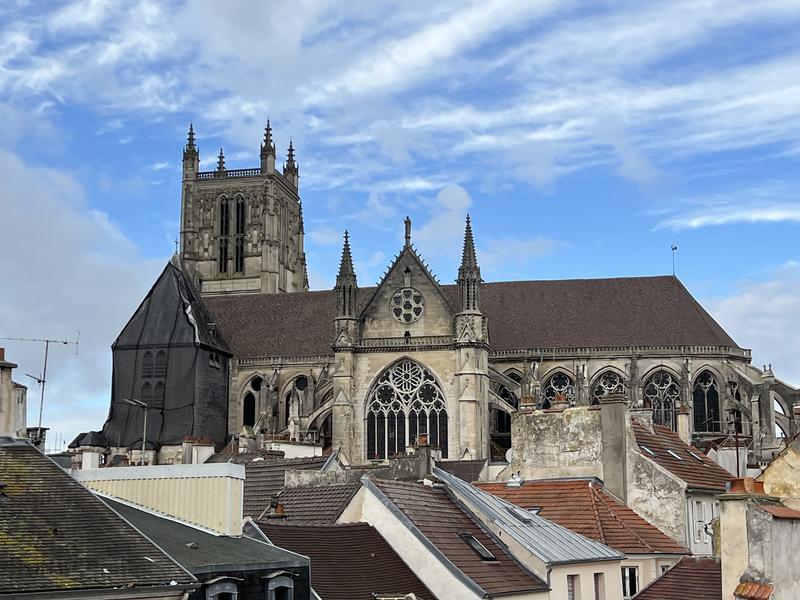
<point x="550" y="542"/>
<point x="208" y="552"/>
<point x="264" y="479"/>
<point x="57" y="536"/>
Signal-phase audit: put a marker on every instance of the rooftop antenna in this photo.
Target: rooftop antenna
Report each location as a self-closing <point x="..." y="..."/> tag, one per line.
<point x="43" y="379"/>
<point x="673" y="247"/>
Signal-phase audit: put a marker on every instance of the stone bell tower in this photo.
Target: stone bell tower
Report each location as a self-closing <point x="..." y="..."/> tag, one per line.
<point x="242" y="229"/>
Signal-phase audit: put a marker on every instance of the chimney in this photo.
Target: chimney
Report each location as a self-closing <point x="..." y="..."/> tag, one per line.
<point x="424" y="456"/>
<point x="614" y="427"/>
<point x="12" y="401"/>
<point x="683" y="424"/>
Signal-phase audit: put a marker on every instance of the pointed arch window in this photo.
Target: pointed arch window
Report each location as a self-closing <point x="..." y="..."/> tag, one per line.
<point x="146" y="394"/>
<point x="405" y="402"/>
<point x="147" y="364"/>
<point x="705" y="396"/>
<point x="224" y="233"/>
<point x="249" y="410"/>
<point x="559" y="383"/>
<point x="610" y="382"/>
<point x="663" y="393"/>
<point x="160" y="368"/>
<point x="238" y="258"/>
<point x="159" y="392"/>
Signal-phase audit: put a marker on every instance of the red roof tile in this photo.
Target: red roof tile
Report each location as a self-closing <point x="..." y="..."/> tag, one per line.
<point x="691" y="464"/>
<point x="780" y="512"/>
<point x="690" y="579"/>
<point x="441" y="519"/>
<point x="753" y="591"/>
<point x="348" y="562"/>
<point x="264" y="479"/>
<point x="315" y="505"/>
<point x="584" y="507"/>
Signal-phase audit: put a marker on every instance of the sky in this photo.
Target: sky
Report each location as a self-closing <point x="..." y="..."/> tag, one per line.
<point x="584" y="138"/>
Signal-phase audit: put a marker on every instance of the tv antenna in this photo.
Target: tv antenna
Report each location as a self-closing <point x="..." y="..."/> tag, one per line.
<point x="43" y="379"/>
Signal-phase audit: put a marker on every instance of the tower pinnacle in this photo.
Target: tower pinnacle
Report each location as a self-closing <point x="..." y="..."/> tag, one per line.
<point x="346" y="284"/>
<point x="221" y="161"/>
<point x="346" y="265"/>
<point x="469" y="273"/>
<point x="267" y="146"/>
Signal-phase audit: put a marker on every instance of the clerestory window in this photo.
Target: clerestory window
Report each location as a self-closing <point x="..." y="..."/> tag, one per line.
<point x="662" y="393"/>
<point x="610" y="382"/>
<point x="705" y="397"/>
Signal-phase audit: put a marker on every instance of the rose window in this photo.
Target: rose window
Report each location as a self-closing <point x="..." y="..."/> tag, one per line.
<point x="407" y="305"/>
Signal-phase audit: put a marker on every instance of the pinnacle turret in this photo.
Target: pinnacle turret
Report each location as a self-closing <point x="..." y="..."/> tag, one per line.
<point x="221" y="161"/>
<point x="468" y="259"/>
<point x="290" y="165"/>
<point x="267" y="146"/>
<point x="346" y="265"/>
<point x="469" y="273"/>
<point x="190" y="150"/>
<point x="346" y="283"/>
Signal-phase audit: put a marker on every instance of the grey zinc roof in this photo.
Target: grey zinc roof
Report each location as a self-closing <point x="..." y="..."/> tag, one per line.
<point x="550" y="542"/>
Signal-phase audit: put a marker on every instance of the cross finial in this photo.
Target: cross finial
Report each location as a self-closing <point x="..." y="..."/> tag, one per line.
<point x="408" y="231"/>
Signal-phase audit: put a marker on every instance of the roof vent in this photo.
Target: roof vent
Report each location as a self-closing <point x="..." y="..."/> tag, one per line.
<point x="515" y="481"/>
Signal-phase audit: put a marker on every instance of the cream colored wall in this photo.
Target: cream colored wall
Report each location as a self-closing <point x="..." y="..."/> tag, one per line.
<point x="733" y="536"/>
<point x="781" y="477"/>
<point x="206" y="495"/>
<point x="612" y="580"/>
<point x="649" y="566"/>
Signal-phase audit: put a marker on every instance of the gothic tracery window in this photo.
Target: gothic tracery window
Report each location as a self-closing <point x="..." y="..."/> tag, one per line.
<point x="238" y="259"/>
<point x="610" y="382"/>
<point x="559" y="383"/>
<point x="705" y="398"/>
<point x="663" y="393"/>
<point x="404" y="403"/>
<point x="224" y="232"/>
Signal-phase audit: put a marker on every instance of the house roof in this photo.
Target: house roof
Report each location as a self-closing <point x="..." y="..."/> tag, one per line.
<point x="468" y="470"/>
<point x="264" y="479"/>
<point x="682" y="460"/>
<point x="440" y="519"/>
<point x="349" y="562"/>
<point x="753" y="591"/>
<point x="201" y="552"/>
<point x="617" y="312"/>
<point x="583" y="506"/>
<point x="689" y="579"/>
<point x="57" y="536"/>
<point x="550" y="542"/>
<point x="780" y="512"/>
<point x="315" y="505"/>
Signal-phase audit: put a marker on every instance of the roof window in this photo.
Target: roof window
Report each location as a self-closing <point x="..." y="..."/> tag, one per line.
<point x="695" y="455"/>
<point x="673" y="454"/>
<point x="646" y="449"/>
<point x="479" y="548"/>
<point x="520" y="514"/>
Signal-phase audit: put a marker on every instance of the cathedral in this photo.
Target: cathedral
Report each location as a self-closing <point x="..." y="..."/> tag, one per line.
<point x="230" y="344"/>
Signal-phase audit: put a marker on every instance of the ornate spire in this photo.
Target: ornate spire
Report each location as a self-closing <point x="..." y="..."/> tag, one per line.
<point x="346" y="264"/>
<point x="469" y="273"/>
<point x="346" y="284"/>
<point x="221" y="161"/>
<point x="190" y="142"/>
<point x="190" y="150"/>
<point x="290" y="164"/>
<point x="268" y="146"/>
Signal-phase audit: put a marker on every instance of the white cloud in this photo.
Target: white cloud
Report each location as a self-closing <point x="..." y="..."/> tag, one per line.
<point x="765" y="316"/>
<point x="74" y="270"/>
<point x="508" y="257"/>
<point x="443" y="231"/>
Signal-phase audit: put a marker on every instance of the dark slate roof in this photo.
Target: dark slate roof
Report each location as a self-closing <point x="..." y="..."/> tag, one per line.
<point x="692" y="466"/>
<point x="617" y="312"/>
<point x="207" y="552"/>
<point x="689" y="579"/>
<point x="315" y="505"/>
<point x="264" y="479"/>
<point x="441" y="519"/>
<point x="55" y="535"/>
<point x="467" y="470"/>
<point x="583" y="506"/>
<point x="349" y="562"/>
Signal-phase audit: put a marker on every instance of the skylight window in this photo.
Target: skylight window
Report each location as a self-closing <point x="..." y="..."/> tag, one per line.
<point x="695" y="455"/>
<point x="646" y="449"/>
<point x="673" y="455"/>
<point x="520" y="514"/>
<point x="479" y="548"/>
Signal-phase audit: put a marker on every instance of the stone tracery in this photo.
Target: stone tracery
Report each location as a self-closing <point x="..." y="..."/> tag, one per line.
<point x="663" y="393"/>
<point x="609" y="382"/>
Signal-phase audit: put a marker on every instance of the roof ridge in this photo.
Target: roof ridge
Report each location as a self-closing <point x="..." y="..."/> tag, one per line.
<point x="627" y="527"/>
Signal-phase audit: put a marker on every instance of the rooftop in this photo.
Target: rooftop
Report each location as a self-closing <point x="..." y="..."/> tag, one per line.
<point x="583" y="506"/>
<point x="349" y="562"/>
<point x="689" y="579"/>
<point x="50" y="525"/>
<point x="682" y="460"/>
<point x="315" y="505"/>
<point x="264" y="480"/>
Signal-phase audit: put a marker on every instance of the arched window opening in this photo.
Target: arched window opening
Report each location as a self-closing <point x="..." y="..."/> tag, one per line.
<point x="255" y="383"/>
<point x="147" y="364"/>
<point x="224" y="232"/>
<point x="159" y="392"/>
<point x="405" y="403"/>
<point x="610" y="382"/>
<point x="160" y="369"/>
<point x="249" y="410"/>
<point x="662" y="393"/>
<point x="238" y="261"/>
<point x="146" y="395"/>
<point x="559" y="384"/>
<point x="706" y="403"/>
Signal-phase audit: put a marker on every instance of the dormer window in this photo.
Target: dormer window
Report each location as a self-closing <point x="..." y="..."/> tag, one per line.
<point x="479" y="548"/>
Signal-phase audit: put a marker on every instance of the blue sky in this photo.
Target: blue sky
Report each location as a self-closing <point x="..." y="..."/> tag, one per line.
<point x="584" y="139"/>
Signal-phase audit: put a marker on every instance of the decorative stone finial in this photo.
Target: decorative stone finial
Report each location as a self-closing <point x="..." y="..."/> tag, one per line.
<point x="221" y="161"/>
<point x="407" y="222"/>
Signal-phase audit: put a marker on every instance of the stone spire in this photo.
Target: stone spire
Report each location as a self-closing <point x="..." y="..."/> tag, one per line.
<point x="290" y="169"/>
<point x="191" y="156"/>
<point x="346" y="284"/>
<point x="267" y="146"/>
<point x="190" y="148"/>
<point x="221" y="162"/>
<point x="469" y="273"/>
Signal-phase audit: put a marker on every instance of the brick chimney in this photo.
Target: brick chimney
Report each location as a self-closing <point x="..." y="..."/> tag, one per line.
<point x="12" y="400"/>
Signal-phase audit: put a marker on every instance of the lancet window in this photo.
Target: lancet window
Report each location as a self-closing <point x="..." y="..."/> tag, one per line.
<point x="610" y="382"/>
<point x="663" y="393"/>
<point x="238" y="260"/>
<point x="405" y="402"/>
<point x="705" y="398"/>
<point x="224" y="234"/>
<point x="559" y="384"/>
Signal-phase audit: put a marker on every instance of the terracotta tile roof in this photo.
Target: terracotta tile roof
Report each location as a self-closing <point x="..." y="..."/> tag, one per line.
<point x="780" y="512"/>
<point x="348" y="562"/>
<point x="584" y="507"/>
<point x="265" y="479"/>
<point x="625" y="311"/>
<point x="315" y="505"/>
<point x="440" y="519"/>
<point x="468" y="470"/>
<point x="690" y="579"/>
<point x="57" y="536"/>
<point x="692" y="465"/>
<point x="752" y="591"/>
